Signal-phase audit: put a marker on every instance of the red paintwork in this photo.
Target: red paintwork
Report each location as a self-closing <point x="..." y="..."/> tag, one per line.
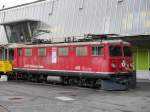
<point x="72" y="62"/>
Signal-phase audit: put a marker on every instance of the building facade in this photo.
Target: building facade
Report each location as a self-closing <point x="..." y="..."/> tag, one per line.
<point x="55" y="20"/>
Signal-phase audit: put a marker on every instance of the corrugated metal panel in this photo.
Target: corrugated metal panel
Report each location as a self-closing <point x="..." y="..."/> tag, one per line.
<point x="2" y="32"/>
<point x="78" y="17"/>
<point x="3" y="39"/>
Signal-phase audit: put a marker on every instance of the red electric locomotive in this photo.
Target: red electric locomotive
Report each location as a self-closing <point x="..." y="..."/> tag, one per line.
<point x="106" y="64"/>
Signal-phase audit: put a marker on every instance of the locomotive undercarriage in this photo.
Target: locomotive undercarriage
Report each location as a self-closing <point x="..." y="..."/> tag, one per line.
<point x="63" y="80"/>
<point x="109" y="82"/>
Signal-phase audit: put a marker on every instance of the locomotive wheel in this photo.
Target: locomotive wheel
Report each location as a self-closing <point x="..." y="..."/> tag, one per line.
<point x="65" y="80"/>
<point x="83" y="82"/>
<point x="44" y="79"/>
<point x="90" y="83"/>
<point x="72" y="81"/>
<point x="97" y="83"/>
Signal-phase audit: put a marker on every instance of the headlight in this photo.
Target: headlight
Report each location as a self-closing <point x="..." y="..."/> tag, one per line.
<point x="113" y="65"/>
<point x="131" y="65"/>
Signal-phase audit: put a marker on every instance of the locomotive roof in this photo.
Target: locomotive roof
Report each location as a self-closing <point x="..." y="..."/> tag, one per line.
<point x="73" y="43"/>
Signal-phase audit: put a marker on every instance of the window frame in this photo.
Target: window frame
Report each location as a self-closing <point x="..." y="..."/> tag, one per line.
<point x="81" y="51"/>
<point x="66" y="49"/>
<point x="20" y="52"/>
<point x="26" y="54"/>
<point x="102" y="51"/>
<point x="38" y="52"/>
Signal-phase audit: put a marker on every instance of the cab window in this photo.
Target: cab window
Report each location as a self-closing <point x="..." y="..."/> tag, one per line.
<point x="115" y="51"/>
<point x="127" y="51"/>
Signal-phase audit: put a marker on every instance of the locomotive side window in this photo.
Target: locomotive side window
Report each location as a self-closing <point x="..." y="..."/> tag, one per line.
<point x="28" y="52"/>
<point x="81" y="51"/>
<point x="63" y="51"/>
<point x="97" y="51"/>
<point x="127" y="51"/>
<point x="115" y="51"/>
<point x="19" y="52"/>
<point x="41" y="51"/>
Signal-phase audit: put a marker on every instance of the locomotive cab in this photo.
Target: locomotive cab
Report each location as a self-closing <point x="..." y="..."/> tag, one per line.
<point x="120" y="66"/>
<point x="120" y="58"/>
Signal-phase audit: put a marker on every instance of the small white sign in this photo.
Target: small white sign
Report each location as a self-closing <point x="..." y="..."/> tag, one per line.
<point x="4" y="78"/>
<point x="54" y="55"/>
<point x="64" y="98"/>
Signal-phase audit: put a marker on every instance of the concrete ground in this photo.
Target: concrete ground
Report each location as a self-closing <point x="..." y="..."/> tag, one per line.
<point x="29" y="97"/>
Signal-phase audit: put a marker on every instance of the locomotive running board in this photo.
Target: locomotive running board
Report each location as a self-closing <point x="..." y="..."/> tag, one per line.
<point x="109" y="85"/>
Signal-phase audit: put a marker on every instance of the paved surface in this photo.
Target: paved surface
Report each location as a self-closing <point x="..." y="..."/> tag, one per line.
<point x="27" y="97"/>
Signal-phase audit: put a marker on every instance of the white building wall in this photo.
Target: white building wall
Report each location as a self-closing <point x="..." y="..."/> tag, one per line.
<point x="78" y="17"/>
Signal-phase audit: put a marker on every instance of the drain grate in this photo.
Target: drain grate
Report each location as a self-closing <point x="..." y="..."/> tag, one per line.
<point x="15" y="98"/>
<point x="3" y="109"/>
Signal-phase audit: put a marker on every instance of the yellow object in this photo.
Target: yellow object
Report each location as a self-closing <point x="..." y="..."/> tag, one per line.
<point x="5" y="66"/>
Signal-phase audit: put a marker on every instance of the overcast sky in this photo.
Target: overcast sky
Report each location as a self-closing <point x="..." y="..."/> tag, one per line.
<point x="10" y="3"/>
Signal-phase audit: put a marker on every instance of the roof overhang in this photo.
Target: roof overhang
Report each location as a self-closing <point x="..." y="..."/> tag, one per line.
<point x="11" y="45"/>
<point x="18" y="21"/>
<point x="25" y="4"/>
<point x="137" y="40"/>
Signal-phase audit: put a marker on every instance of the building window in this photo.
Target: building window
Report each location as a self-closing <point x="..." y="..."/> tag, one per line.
<point x="41" y="51"/>
<point x="63" y="51"/>
<point x="81" y="51"/>
<point x="19" y="52"/>
<point x="20" y="31"/>
<point x="97" y="51"/>
<point x="28" y="52"/>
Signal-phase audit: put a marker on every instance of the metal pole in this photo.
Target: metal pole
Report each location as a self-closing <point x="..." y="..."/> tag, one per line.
<point x="136" y="67"/>
<point x="81" y="4"/>
<point x="136" y="59"/>
<point x="52" y="7"/>
<point x="4" y="16"/>
<point x="148" y="50"/>
<point x="7" y="54"/>
<point x="4" y="54"/>
<point x="29" y="29"/>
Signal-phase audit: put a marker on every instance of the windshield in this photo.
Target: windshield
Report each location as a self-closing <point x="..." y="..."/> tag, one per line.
<point x="127" y="51"/>
<point x="115" y="51"/>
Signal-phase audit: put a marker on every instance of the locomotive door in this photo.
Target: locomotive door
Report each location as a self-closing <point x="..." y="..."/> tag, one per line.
<point x="142" y="67"/>
<point x="20" y="57"/>
<point x="10" y="56"/>
<point x="82" y="62"/>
